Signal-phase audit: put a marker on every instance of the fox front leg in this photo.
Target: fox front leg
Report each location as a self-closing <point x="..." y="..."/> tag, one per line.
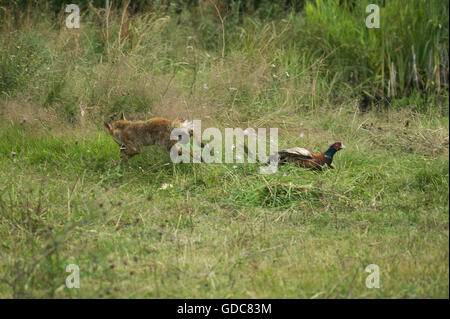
<point x="129" y="152"/>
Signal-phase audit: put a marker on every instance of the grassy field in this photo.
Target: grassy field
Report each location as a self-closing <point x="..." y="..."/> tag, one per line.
<point x="226" y="232"/>
<point x="150" y="228"/>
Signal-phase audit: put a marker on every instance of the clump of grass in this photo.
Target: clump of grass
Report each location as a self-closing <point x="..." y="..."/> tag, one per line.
<point x="30" y="224"/>
<point x="416" y="31"/>
<point x="21" y="58"/>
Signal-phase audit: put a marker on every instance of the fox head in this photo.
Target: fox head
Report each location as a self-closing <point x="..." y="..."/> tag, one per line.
<point x="115" y="129"/>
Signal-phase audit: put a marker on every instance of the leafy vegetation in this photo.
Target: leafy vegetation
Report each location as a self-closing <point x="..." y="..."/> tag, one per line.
<point x="150" y="228"/>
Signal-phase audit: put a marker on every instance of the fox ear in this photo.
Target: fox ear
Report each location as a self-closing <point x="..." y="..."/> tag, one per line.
<point x="108" y="127"/>
<point x="122" y="117"/>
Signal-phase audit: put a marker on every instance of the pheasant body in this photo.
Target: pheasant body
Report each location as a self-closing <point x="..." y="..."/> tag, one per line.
<point x="305" y="158"/>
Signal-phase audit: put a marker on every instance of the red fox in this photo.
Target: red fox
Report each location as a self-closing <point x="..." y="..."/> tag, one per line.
<point x="132" y="136"/>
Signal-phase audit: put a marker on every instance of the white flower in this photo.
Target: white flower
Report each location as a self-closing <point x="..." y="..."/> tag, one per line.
<point x="205" y="86"/>
<point x="234" y="166"/>
<point x="165" y="186"/>
<point x="272" y="65"/>
<point x="207" y="55"/>
<point x="302" y="134"/>
<point x="287" y="74"/>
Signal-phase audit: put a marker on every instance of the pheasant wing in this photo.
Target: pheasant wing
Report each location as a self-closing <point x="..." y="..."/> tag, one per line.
<point x="297" y="152"/>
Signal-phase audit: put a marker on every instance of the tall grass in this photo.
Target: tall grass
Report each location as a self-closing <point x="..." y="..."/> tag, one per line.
<point x="215" y="53"/>
<point x="408" y="52"/>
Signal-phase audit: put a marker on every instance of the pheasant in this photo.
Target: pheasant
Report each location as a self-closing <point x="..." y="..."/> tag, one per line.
<point x="303" y="157"/>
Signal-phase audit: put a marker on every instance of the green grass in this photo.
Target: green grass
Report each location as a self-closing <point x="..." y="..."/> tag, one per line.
<point x="360" y="54"/>
<point x="221" y="231"/>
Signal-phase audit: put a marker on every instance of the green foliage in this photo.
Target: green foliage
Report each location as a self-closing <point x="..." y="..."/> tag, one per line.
<point x="320" y="51"/>
<point x="150" y="228"/>
<point x="381" y="60"/>
<point x="66" y="199"/>
<point x="20" y="59"/>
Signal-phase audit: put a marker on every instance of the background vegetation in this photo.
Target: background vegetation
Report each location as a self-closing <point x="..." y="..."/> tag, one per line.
<point x="149" y="228"/>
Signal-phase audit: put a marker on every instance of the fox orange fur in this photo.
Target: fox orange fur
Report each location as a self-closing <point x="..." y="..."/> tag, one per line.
<point x="133" y="135"/>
